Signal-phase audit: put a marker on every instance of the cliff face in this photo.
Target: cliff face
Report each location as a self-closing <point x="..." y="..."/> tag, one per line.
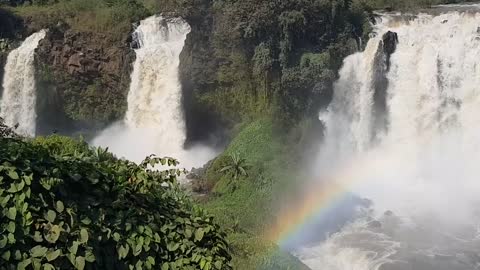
<point x="242" y="60"/>
<point x="198" y="69"/>
<point x="248" y="59"/>
<point x="82" y="79"/>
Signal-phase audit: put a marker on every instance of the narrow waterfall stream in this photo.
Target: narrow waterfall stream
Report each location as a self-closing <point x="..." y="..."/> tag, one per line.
<point x="18" y="101"/>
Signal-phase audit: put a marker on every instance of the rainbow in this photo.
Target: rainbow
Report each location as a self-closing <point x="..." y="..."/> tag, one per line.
<point x="322" y="197"/>
<point x="315" y="205"/>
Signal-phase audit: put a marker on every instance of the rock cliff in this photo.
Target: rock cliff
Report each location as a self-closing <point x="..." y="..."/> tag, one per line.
<point x="83" y="79"/>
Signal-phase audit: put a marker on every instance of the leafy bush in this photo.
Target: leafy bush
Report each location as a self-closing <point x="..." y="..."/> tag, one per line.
<point x="78" y="208"/>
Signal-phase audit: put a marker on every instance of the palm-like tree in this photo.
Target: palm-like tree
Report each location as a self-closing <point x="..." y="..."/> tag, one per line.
<point x="237" y="167"/>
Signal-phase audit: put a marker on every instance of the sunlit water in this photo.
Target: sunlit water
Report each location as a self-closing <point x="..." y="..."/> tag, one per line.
<point x="422" y="164"/>
<point x="19" y="98"/>
<point x="154" y="122"/>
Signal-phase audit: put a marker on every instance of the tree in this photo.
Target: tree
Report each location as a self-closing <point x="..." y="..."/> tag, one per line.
<point x="237" y="167"/>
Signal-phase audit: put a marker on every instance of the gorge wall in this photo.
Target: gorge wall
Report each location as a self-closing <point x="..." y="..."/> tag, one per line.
<point x="84" y="79"/>
<point x="241" y="61"/>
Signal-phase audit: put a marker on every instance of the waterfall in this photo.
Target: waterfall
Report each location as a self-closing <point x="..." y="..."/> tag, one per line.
<point x="421" y="169"/>
<point x="18" y="101"/>
<point x="154" y="100"/>
<point x="154" y="122"/>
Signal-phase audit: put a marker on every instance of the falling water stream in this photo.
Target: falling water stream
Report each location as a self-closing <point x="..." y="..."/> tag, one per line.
<point x="18" y="101"/>
<point x="420" y="166"/>
<point x="154" y="122"/>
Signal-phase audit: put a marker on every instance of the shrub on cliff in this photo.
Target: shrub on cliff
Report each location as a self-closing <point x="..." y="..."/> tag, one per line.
<point x="78" y="208"/>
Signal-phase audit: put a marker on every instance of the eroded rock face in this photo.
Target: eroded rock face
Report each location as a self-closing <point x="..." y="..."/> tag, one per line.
<point x="86" y="77"/>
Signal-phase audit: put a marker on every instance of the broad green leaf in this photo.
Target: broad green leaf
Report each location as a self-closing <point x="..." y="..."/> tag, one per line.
<point x="16" y="187"/>
<point x="116" y="237"/>
<point x="6" y="255"/>
<point x="37" y="237"/>
<point x="18" y="255"/>
<point x="165" y="266"/>
<point x="53" y="255"/>
<point x="11" y="238"/>
<point x="138" y="265"/>
<point x="3" y="241"/>
<point x="59" y="206"/>
<point x="53" y="234"/>
<point x="4" y="201"/>
<point x="172" y="246"/>
<point x="37" y="263"/>
<point x="83" y="236"/>
<point x="89" y="257"/>
<point x="23" y="264"/>
<point x="199" y="234"/>
<point x="74" y="248"/>
<point x="122" y="251"/>
<point x="13" y="175"/>
<point x="80" y="263"/>
<point x="12" y="213"/>
<point x="50" y="216"/>
<point x="188" y="233"/>
<point x="38" y="251"/>
<point x="11" y="227"/>
<point x="48" y="266"/>
<point x="86" y="221"/>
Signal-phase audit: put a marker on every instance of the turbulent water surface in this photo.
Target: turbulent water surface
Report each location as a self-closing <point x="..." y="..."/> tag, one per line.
<point x="154" y="122"/>
<point x="416" y="156"/>
<point x="19" y="97"/>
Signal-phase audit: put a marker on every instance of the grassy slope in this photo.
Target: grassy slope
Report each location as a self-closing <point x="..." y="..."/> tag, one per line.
<point x="245" y="206"/>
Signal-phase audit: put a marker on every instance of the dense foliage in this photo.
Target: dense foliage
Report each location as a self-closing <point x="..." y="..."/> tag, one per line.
<point x="66" y="206"/>
<point x="274" y="57"/>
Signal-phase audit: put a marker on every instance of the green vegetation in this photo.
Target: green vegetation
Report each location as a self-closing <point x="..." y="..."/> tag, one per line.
<point x="236" y="168"/>
<point x="246" y="207"/>
<point x="259" y="66"/>
<point x="67" y="206"/>
<point x="113" y="18"/>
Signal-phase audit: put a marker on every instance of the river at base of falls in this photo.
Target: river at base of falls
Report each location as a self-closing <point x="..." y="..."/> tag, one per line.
<point x="420" y="169"/>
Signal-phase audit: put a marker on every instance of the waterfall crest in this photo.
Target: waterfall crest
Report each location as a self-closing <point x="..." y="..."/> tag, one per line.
<point x="420" y="170"/>
<point x="17" y="106"/>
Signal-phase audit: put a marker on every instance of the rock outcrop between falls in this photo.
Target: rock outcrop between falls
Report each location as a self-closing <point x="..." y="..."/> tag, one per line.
<point x="84" y="77"/>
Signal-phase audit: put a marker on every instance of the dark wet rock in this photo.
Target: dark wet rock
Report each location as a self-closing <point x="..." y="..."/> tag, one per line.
<point x="390" y="41"/>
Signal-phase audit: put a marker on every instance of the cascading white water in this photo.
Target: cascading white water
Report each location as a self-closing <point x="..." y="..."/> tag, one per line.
<point x="154" y="100"/>
<point x="154" y="122"/>
<point x="424" y="164"/>
<point x="17" y="106"/>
